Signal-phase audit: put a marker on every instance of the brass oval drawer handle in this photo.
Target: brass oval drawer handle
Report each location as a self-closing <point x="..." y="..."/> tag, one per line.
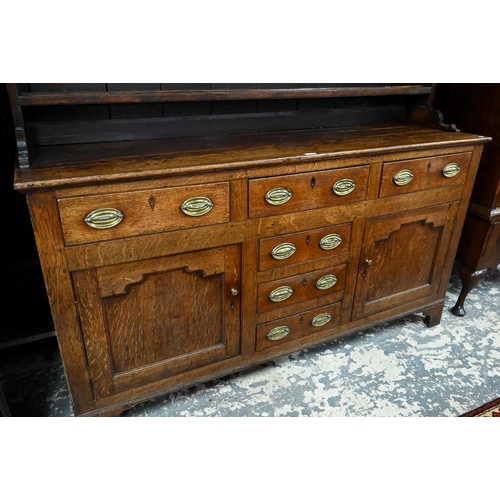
<point x="103" y="218"/>
<point x="278" y="196"/>
<point x="278" y="332"/>
<point x="344" y="186"/>
<point x="199" y="205"/>
<point x="326" y="282"/>
<point x="321" y="319"/>
<point x="403" y="177"/>
<point x="451" y="170"/>
<point x="283" y="251"/>
<point x="330" y="241"/>
<point x="280" y="294"/>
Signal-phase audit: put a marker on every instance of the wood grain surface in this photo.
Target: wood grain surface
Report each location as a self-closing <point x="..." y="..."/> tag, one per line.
<point x="303" y="286"/>
<point x="307" y="244"/>
<point x="171" y="321"/>
<point x="402" y="258"/>
<point x="139" y="159"/>
<point x="163" y="300"/>
<point x="427" y="174"/>
<point x="145" y="212"/>
<point x="309" y="191"/>
<point x="299" y="324"/>
<point x="115" y="97"/>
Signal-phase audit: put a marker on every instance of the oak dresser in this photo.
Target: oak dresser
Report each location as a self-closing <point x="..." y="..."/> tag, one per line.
<point x="178" y="249"/>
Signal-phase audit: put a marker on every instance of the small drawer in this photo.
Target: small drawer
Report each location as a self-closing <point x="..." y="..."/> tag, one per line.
<point x="304" y="246"/>
<point x="88" y="219"/>
<point x="294" y="193"/>
<point x="300" y="325"/>
<point x="408" y="176"/>
<point x="287" y="291"/>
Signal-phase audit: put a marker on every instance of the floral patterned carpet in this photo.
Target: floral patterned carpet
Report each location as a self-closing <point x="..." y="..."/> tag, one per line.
<point x="491" y="409"/>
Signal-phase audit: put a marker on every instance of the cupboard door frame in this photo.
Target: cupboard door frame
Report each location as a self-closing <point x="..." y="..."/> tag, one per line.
<point x="94" y="286"/>
<point x="438" y="218"/>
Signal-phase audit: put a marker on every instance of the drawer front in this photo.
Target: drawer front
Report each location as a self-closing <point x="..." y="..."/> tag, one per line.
<point x="300" y="325"/>
<point x="287" y="291"/>
<point x="88" y="219"/>
<point x="408" y="176"/>
<point x="304" y="246"/>
<point x="294" y="193"/>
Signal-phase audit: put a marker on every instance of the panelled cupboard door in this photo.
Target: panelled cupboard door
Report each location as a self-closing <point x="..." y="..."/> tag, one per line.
<point x="152" y="319"/>
<point x="402" y="258"/>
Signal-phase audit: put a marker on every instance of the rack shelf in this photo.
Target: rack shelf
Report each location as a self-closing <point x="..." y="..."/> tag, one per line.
<point x="127" y="97"/>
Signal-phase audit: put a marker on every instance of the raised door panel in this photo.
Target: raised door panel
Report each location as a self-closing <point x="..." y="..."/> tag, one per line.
<point x="153" y="319"/>
<point x="402" y="258"/>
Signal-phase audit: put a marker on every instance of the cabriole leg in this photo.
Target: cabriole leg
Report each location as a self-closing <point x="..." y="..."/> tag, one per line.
<point x="470" y="279"/>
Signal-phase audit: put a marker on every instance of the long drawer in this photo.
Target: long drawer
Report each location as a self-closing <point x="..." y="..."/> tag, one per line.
<point x="87" y="219"/>
<point x="297" y="192"/>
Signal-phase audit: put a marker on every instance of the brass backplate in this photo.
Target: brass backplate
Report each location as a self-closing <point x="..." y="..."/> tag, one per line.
<point x="403" y="177"/>
<point x="343" y="187"/>
<point x="280" y="294"/>
<point x="330" y="241"/>
<point x="451" y="170"/>
<point x="278" y="332"/>
<point x="321" y="319"/>
<point x="104" y="218"/>
<point x="197" y="206"/>
<point x="278" y="196"/>
<point x="326" y="282"/>
<point x="283" y="251"/>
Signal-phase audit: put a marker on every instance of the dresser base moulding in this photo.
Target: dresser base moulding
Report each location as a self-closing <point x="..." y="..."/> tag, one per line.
<point x="164" y="298"/>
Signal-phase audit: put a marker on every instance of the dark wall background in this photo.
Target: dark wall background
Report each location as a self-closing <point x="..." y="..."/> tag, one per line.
<point x="25" y="308"/>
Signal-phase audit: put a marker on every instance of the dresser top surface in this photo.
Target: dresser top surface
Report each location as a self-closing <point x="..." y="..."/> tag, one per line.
<point x="55" y="166"/>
